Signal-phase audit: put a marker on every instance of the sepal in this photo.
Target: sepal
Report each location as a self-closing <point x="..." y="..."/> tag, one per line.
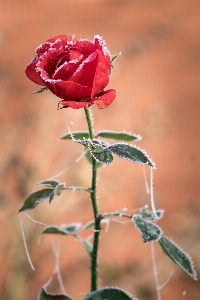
<point x="114" y="57"/>
<point x="44" y="88"/>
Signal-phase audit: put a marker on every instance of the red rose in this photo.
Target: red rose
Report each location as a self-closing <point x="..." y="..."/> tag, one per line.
<point x="75" y="71"/>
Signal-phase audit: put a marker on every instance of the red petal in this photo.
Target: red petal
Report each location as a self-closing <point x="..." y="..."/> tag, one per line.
<point x="102" y="74"/>
<point x="48" y="61"/>
<point x="85" y="46"/>
<point x="68" y="90"/>
<point x="74" y="104"/>
<point x="66" y="70"/>
<point x="59" y="37"/>
<point x="55" y="42"/>
<point x="101" y="44"/>
<point x="104" y="99"/>
<point x="86" y="71"/>
<point x="31" y="72"/>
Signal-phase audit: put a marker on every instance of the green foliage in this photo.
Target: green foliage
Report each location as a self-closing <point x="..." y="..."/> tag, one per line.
<point x="88" y="225"/>
<point x="178" y="256"/>
<point x="77" y="135"/>
<point x="48" y="183"/>
<point x="119" y="136"/>
<point x="48" y="296"/>
<point x="98" y="151"/>
<point x="131" y="153"/>
<point x="149" y="215"/>
<point x="88" y="156"/>
<point x="114" y="57"/>
<point x="70" y="229"/>
<point x="87" y="245"/>
<point x="44" y="88"/>
<point x="107" y="134"/>
<point x="57" y="191"/>
<point x="109" y="294"/>
<point x="35" y="198"/>
<point x="101" y="155"/>
<point x="149" y="231"/>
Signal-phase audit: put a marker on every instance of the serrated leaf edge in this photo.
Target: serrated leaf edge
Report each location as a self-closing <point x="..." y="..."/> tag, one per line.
<point x="110" y="288"/>
<point x="62" y="228"/>
<point x="43" y="184"/>
<point x="138" y="136"/>
<point x="161" y="211"/>
<point x="143" y="151"/>
<point x="72" y="133"/>
<point x="104" y="163"/>
<point x="194" y="276"/>
<point x="50" y="294"/>
<point x="36" y="203"/>
<point x="53" y="226"/>
<point x="161" y="232"/>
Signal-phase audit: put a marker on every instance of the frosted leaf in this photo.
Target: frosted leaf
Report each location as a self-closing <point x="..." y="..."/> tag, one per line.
<point x="44" y="295"/>
<point x="150" y="215"/>
<point x="109" y="293"/>
<point x="35" y="198"/>
<point x="64" y="229"/>
<point x="76" y="135"/>
<point x="149" y="231"/>
<point x="49" y="183"/>
<point x="178" y="256"/>
<point x="120" y="136"/>
<point x="131" y="153"/>
<point x="99" y="152"/>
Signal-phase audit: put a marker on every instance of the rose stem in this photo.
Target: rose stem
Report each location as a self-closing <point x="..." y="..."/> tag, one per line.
<point x="95" y="208"/>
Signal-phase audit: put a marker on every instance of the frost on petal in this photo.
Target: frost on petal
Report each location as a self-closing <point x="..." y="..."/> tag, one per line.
<point x="48" y="61"/>
<point x="75" y="104"/>
<point x="85" y="73"/>
<point x="65" y="71"/>
<point x="102" y="45"/>
<point x="85" y="46"/>
<point x="104" y="99"/>
<point x="63" y="37"/>
<point x="31" y="72"/>
<point x="69" y="91"/>
<point x="74" y="55"/>
<point x="55" y="42"/>
<point x="101" y="78"/>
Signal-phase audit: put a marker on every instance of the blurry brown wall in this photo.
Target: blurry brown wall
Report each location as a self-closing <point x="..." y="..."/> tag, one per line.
<point x="158" y="91"/>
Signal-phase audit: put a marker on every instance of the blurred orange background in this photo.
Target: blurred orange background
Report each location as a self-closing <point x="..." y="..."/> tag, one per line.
<point x="158" y="92"/>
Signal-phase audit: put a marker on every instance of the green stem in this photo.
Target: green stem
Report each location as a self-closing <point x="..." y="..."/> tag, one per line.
<point x="89" y="122"/>
<point x="95" y="208"/>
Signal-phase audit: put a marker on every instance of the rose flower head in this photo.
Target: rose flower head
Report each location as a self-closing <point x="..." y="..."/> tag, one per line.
<point x="77" y="71"/>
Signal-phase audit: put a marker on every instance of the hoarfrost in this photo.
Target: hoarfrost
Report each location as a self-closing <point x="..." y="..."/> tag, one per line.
<point x="102" y="43"/>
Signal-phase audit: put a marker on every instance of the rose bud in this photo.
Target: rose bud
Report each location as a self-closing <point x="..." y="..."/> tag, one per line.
<point x="77" y="71"/>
